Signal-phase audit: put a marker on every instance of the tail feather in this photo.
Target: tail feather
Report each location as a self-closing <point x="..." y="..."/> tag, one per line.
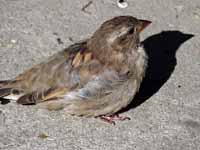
<point x="4" y="89"/>
<point x="4" y="83"/>
<point x="8" y="89"/>
<point x="8" y="84"/>
<point x="5" y="92"/>
<point x="28" y="99"/>
<point x="41" y="96"/>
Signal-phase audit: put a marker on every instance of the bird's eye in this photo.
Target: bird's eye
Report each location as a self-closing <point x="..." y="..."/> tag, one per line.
<point x="131" y="31"/>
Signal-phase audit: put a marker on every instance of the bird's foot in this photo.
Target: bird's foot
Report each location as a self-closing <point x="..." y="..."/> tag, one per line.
<point x="112" y="118"/>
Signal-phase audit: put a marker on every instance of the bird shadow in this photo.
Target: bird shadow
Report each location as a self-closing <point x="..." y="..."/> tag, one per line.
<point x="161" y="49"/>
<point x="4" y="101"/>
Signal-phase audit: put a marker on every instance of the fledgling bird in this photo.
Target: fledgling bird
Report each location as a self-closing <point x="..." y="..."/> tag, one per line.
<point x="96" y="77"/>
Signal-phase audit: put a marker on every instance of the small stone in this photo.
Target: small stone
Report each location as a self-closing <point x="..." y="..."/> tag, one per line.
<point x="59" y="41"/>
<point x="55" y="33"/>
<point x="71" y="39"/>
<point x="43" y="136"/>
<point x="122" y="3"/>
<point x="170" y="25"/>
<point x="13" y="41"/>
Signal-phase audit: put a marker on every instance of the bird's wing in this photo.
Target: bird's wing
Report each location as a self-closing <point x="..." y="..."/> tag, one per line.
<point x="96" y="87"/>
<point x="88" y="79"/>
<point x="42" y="76"/>
<point x="103" y="93"/>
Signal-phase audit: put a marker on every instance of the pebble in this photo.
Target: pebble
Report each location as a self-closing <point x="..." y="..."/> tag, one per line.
<point x="171" y="25"/>
<point x="122" y="3"/>
<point x="13" y="41"/>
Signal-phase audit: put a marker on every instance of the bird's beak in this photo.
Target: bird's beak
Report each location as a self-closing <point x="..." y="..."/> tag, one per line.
<point x="143" y="24"/>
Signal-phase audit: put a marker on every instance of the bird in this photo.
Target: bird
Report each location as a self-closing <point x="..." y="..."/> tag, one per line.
<point x="95" y="77"/>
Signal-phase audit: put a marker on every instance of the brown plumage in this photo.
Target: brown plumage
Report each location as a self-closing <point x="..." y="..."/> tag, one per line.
<point x="95" y="77"/>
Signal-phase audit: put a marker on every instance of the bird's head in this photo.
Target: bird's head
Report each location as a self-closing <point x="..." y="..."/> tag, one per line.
<point x="120" y="33"/>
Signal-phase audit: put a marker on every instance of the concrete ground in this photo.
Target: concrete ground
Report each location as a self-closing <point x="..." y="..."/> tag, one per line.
<point x="165" y="115"/>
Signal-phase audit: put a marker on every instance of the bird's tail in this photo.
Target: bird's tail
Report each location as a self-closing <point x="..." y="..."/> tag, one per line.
<point x="5" y="92"/>
<point x="4" y="89"/>
<point x="5" y="82"/>
<point x="7" y="88"/>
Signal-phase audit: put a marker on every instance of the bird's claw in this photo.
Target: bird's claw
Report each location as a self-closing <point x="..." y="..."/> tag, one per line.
<point x="112" y="118"/>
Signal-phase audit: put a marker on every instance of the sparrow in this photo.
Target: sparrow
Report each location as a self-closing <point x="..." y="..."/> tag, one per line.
<point x="95" y="77"/>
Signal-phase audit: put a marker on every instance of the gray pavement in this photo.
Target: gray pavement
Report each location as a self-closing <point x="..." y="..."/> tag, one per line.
<point x="165" y="115"/>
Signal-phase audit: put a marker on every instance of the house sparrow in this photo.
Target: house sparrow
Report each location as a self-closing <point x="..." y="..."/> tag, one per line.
<point x="96" y="77"/>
